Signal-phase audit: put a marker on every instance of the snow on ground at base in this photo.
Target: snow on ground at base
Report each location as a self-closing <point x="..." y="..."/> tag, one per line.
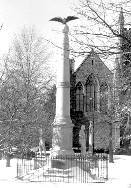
<point x="119" y="175"/>
<point x="120" y="170"/>
<point x="8" y="173"/>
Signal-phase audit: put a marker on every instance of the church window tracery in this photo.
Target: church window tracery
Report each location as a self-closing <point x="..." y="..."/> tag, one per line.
<point x="104" y="97"/>
<point x="91" y="94"/>
<point x="79" y="97"/>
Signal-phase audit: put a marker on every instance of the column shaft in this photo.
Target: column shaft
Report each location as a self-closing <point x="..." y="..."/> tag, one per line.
<point x="62" y="127"/>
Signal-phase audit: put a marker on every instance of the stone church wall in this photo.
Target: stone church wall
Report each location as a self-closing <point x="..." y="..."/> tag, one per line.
<point x="93" y="65"/>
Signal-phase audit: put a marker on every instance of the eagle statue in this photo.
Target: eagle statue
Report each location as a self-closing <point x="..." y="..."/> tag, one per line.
<point x="64" y="20"/>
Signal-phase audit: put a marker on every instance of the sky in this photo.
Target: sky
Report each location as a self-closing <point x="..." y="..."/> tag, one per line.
<point x="15" y="14"/>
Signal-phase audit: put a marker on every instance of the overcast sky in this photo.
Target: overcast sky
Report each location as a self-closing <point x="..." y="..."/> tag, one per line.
<point x="14" y="14"/>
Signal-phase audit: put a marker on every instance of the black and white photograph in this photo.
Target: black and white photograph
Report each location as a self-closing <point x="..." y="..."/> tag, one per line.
<point x="65" y="93"/>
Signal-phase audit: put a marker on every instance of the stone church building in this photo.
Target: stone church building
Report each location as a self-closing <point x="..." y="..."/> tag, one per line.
<point x="91" y="97"/>
<point x="93" y="87"/>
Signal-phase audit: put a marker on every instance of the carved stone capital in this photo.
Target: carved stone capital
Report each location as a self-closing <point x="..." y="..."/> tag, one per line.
<point x="66" y="29"/>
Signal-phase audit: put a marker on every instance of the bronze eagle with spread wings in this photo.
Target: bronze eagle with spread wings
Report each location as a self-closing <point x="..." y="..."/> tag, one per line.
<point x="64" y="20"/>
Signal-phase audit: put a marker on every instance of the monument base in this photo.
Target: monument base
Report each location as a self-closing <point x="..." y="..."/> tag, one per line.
<point x="59" y="163"/>
<point x="90" y="149"/>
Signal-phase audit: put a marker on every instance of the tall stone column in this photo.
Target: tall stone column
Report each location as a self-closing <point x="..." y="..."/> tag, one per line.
<point x="62" y="126"/>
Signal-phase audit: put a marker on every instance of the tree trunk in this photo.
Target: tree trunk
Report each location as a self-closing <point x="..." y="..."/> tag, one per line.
<point x="8" y="160"/>
<point x="111" y="160"/>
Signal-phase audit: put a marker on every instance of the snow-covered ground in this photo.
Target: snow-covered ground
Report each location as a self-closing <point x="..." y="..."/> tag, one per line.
<point x="119" y="176"/>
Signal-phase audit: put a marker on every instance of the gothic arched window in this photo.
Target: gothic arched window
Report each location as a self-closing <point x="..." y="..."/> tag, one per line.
<point x="79" y="97"/>
<point x="91" y="94"/>
<point x="104" y="97"/>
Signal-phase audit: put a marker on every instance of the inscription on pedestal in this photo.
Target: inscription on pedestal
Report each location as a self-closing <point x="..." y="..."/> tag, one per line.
<point x="63" y="84"/>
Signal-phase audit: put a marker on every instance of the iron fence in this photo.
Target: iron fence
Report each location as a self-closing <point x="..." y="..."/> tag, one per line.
<point x="70" y="168"/>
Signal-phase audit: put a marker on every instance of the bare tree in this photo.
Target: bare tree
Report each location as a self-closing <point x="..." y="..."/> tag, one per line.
<point x="24" y="91"/>
<point x="100" y="28"/>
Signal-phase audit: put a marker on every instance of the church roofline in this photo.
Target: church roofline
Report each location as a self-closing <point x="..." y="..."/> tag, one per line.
<point x="91" y="53"/>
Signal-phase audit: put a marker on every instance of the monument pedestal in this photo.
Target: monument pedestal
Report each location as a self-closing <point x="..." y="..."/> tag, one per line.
<point x="90" y="150"/>
<point x="62" y="137"/>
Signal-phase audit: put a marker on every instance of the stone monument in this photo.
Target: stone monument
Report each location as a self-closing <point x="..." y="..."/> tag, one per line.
<point x="82" y="139"/>
<point x="62" y="126"/>
<point x="91" y="137"/>
<point x="42" y="148"/>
